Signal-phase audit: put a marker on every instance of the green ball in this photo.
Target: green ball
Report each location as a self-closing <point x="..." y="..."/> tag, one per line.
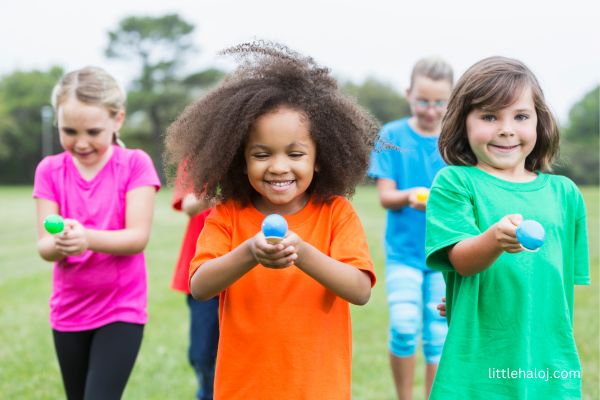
<point x="54" y="224"/>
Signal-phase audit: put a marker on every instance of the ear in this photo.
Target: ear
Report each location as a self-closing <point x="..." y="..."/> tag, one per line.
<point x="119" y="119"/>
<point x="317" y="168"/>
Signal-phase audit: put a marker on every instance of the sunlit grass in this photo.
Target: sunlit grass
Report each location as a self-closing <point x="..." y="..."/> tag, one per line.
<point x="28" y="367"/>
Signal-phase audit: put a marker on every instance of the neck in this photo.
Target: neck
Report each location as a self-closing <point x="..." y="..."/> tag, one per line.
<point x="90" y="171"/>
<point x="424" y="131"/>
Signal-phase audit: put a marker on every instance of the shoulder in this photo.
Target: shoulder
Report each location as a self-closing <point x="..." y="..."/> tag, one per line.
<point x="132" y="156"/>
<point x="562" y="181"/>
<point x="224" y="211"/>
<point x="454" y="176"/>
<point x="394" y="129"/>
<point x="52" y="163"/>
<point x="338" y="207"/>
<point x="566" y="187"/>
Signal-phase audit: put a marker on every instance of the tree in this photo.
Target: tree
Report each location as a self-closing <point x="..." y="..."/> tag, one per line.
<point x="579" y="142"/>
<point x="22" y="96"/>
<point x="159" y="45"/>
<point x="380" y="98"/>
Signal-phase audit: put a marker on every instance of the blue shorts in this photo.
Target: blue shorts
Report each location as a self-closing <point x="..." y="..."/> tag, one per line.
<point x="413" y="295"/>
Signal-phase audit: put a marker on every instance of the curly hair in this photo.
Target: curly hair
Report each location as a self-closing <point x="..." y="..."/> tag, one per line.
<point x="210" y="136"/>
<point x="491" y="84"/>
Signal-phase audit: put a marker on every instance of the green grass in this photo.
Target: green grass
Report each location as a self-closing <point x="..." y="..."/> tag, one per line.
<point x="28" y="367"/>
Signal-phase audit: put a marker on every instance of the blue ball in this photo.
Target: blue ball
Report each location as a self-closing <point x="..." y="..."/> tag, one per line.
<point x="274" y="225"/>
<point x="531" y="234"/>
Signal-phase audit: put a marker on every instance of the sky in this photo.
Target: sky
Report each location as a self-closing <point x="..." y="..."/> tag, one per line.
<point x="559" y="41"/>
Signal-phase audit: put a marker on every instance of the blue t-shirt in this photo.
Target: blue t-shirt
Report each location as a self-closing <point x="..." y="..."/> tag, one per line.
<point x="410" y="160"/>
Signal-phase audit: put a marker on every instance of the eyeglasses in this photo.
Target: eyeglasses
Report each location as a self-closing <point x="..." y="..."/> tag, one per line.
<point x="424" y="104"/>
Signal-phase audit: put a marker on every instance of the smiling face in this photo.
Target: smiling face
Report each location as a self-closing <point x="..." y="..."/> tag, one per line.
<point x="280" y="161"/>
<point x="86" y="131"/>
<point x="428" y="99"/>
<point x="502" y="139"/>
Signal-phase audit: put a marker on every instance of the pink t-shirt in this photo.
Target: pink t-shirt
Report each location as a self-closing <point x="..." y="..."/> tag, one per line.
<point x="95" y="289"/>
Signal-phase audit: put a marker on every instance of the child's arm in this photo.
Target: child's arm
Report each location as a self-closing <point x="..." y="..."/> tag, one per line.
<point x="477" y="253"/>
<point x="45" y="244"/>
<point x="131" y="240"/>
<point x="392" y="198"/>
<point x="217" y="274"/>
<point x="346" y="281"/>
<point x="138" y="221"/>
<point x="191" y="205"/>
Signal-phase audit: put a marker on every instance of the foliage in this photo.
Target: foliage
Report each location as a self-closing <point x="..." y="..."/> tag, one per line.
<point x="579" y="143"/>
<point x="380" y="98"/>
<point x="159" y="45"/>
<point x="22" y="96"/>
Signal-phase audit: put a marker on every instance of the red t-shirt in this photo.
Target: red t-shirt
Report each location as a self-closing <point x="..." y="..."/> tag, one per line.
<point x="180" y="279"/>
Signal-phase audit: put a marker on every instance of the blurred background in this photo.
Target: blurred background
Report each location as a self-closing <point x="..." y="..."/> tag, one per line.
<point x="165" y="55"/>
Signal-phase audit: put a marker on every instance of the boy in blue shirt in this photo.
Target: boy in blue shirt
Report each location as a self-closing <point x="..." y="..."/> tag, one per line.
<point x="404" y="162"/>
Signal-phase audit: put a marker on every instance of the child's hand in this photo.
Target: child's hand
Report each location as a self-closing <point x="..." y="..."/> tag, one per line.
<point x="72" y="241"/>
<point x="505" y="233"/>
<point x="276" y="256"/>
<point x="414" y="199"/>
<point x="442" y="307"/>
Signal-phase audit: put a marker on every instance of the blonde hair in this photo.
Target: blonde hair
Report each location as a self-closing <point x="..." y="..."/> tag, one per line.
<point x="90" y="85"/>
<point x="491" y="84"/>
<point x="433" y="68"/>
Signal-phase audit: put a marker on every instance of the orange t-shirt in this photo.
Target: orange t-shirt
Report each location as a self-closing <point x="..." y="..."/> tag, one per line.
<point x="283" y="334"/>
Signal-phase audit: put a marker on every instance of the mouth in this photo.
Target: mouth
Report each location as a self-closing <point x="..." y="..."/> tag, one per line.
<point x="504" y="149"/>
<point x="280" y="186"/>
<point x="83" y="154"/>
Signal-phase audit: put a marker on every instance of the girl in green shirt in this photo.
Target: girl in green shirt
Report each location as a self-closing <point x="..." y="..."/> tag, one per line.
<point x="510" y="311"/>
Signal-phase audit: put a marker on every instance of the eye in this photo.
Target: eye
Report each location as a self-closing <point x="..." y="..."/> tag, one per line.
<point x="260" y="156"/>
<point x="522" y="117"/>
<point x="94" y="132"/>
<point x="488" y="117"/>
<point x="296" y="154"/>
<point x="69" y="131"/>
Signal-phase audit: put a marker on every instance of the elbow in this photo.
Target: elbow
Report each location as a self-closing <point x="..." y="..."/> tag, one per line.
<point x="199" y="294"/>
<point x="385" y="203"/>
<point x="199" y="291"/>
<point x="362" y="299"/>
<point x="362" y="295"/>
<point x="139" y="243"/>
<point x="464" y="272"/>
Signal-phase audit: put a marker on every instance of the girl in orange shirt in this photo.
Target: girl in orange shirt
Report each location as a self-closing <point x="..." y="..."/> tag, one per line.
<point x="278" y="137"/>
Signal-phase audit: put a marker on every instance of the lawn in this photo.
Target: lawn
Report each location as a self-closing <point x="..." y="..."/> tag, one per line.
<point x="28" y="367"/>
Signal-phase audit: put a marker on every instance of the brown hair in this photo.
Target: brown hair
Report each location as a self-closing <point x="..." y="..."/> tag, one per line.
<point x="209" y="137"/>
<point x="491" y="84"/>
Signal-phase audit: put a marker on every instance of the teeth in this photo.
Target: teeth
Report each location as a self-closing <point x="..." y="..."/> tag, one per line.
<point x="281" y="184"/>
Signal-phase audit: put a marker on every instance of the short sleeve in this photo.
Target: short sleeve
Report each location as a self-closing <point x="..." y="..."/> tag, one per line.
<point x="582" y="262"/>
<point x="450" y="218"/>
<point x="215" y="240"/>
<point x="43" y="185"/>
<point x="349" y="242"/>
<point x="142" y="171"/>
<point x="382" y="163"/>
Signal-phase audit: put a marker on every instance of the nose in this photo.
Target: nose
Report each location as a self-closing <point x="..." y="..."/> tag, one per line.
<point x="81" y="143"/>
<point x="279" y="165"/>
<point x="507" y="128"/>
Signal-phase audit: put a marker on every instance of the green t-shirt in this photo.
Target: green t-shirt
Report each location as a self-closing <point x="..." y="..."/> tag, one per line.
<point x="512" y="324"/>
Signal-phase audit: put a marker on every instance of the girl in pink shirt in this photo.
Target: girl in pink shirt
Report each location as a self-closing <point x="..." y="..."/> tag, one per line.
<point x="106" y="195"/>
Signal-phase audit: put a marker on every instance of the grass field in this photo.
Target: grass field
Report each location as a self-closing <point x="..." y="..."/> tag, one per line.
<point x="28" y="367"/>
